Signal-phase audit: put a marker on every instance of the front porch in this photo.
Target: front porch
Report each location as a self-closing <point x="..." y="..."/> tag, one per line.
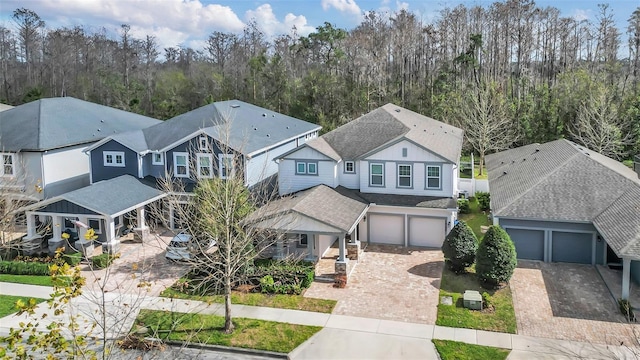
<point x="64" y="221"/>
<point x="613" y="279"/>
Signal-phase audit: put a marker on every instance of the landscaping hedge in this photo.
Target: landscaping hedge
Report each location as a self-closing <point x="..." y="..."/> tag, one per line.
<point x="102" y="261"/>
<point x="24" y="268"/>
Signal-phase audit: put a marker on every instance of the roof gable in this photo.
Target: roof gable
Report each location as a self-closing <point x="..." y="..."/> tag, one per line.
<point x="388" y="124"/>
<point x="52" y="123"/>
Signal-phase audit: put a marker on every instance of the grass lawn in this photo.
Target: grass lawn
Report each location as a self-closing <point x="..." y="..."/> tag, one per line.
<point x="503" y="319"/>
<point x="8" y="304"/>
<point x="476" y="218"/>
<point x="295" y="302"/>
<point x="249" y="333"/>
<point x="26" y="279"/>
<point x="449" y="350"/>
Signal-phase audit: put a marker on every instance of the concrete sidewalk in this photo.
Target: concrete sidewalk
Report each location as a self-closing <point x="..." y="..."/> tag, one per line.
<point x="342" y="336"/>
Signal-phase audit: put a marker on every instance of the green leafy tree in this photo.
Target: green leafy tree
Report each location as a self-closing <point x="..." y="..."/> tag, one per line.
<point x="496" y="258"/>
<point x="460" y="247"/>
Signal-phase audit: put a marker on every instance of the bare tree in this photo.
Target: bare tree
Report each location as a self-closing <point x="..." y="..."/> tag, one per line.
<point x="599" y="126"/>
<point x="217" y="215"/>
<point x="484" y="115"/>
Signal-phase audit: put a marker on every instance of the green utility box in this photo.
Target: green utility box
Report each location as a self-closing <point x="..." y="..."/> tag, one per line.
<point x="472" y="300"/>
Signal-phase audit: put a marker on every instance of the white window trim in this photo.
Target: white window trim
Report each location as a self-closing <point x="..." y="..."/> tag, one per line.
<point x="353" y="163"/>
<point x="208" y="156"/>
<point x="175" y="164"/>
<point x="159" y="162"/>
<point x="96" y="230"/>
<point x="203" y="143"/>
<point x="13" y="164"/>
<point x="297" y="168"/>
<point x="309" y="169"/>
<point x="371" y="175"/>
<point x="427" y="177"/>
<point x="221" y="158"/>
<point x="410" y="176"/>
<point x="113" y="155"/>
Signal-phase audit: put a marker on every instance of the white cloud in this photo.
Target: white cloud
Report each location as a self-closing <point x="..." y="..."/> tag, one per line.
<point x="580" y="14"/>
<point x="268" y="22"/>
<point x="347" y="6"/>
<point x="173" y="22"/>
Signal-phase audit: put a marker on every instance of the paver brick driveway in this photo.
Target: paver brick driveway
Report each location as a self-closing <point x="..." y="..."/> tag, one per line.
<point x="391" y="283"/>
<point x="569" y="302"/>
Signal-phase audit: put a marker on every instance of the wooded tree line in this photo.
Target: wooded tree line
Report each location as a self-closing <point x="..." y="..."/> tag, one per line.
<point x="510" y="70"/>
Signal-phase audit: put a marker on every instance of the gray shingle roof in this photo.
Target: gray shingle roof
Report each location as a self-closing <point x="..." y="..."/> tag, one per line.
<point x="247" y="127"/>
<point x="58" y="122"/>
<point x="110" y="197"/>
<point x="339" y="207"/>
<point x="562" y="181"/>
<point x="385" y="124"/>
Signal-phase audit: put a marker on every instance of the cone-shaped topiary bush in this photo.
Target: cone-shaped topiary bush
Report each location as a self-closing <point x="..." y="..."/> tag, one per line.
<point x="496" y="258"/>
<point x="460" y="247"/>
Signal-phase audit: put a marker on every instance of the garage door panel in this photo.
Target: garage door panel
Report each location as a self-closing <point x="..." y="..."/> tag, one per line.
<point x="424" y="231"/>
<point x="572" y="247"/>
<point x="529" y="243"/>
<point x="386" y="229"/>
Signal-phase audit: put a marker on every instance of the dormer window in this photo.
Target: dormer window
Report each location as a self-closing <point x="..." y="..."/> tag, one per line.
<point x="203" y="143"/>
<point x="113" y="158"/>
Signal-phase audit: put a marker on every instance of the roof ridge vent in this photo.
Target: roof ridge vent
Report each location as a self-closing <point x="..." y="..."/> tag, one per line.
<point x="235" y="106"/>
<point x="397" y="110"/>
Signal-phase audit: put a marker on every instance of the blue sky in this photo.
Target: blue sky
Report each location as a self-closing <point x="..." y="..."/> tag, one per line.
<point x="188" y="22"/>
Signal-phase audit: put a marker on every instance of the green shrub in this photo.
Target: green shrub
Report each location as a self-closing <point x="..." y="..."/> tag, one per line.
<point x="288" y="276"/>
<point x="24" y="268"/>
<point x="496" y="258"/>
<point x="484" y="200"/>
<point x="460" y="247"/>
<point x="72" y="259"/>
<point x="486" y="300"/>
<point x="102" y="261"/>
<point x="463" y="206"/>
<point x="627" y="310"/>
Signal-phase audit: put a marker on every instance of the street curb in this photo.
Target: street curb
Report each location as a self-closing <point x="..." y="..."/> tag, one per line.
<point x="229" y="349"/>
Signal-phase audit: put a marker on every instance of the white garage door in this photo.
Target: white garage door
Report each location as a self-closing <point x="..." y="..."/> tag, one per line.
<point x="386" y="229"/>
<point x="426" y="231"/>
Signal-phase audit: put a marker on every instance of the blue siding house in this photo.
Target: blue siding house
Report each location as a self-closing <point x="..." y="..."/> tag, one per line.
<point x="561" y="202"/>
<point x="216" y="140"/>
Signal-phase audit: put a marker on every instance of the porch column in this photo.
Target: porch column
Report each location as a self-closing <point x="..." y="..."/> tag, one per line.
<point x="141" y="232"/>
<point x="82" y="230"/>
<point x="626" y="272"/>
<point x="57" y="223"/>
<point x="342" y="247"/>
<point x="111" y="230"/>
<point x="140" y="212"/>
<point x="31" y="225"/>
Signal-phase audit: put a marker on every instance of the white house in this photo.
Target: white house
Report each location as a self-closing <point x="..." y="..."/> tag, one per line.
<point x="402" y="165"/>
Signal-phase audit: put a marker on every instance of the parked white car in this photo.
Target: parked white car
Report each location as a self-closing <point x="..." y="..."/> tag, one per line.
<point x="180" y="247"/>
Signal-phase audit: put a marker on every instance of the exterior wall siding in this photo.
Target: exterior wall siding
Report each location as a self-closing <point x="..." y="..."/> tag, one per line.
<point x="418" y="179"/>
<point x="349" y="180"/>
<point x="289" y="182"/>
<point x="100" y="172"/>
<point x="191" y="147"/>
<point x="263" y="165"/>
<point x="29" y="173"/>
<point x="635" y="271"/>
<point x="62" y="164"/>
<point x="324" y="243"/>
